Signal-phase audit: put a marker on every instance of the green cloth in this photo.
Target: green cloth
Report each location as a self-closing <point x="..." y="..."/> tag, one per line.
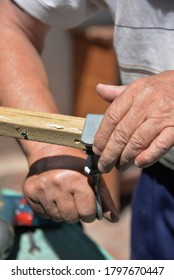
<point x="61" y="241"/>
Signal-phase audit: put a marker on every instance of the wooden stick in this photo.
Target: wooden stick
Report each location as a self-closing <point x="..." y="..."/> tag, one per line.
<point x="43" y="127"/>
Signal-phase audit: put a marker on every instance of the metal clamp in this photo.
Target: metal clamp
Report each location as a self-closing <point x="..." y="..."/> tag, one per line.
<point x="91" y="125"/>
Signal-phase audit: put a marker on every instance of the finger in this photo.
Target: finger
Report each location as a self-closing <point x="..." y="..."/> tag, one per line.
<point x="52" y="210"/>
<point x="139" y="141"/>
<point x="43" y="203"/>
<point x="85" y="203"/>
<point x="109" y="208"/>
<point x="110" y="120"/>
<point x="109" y="92"/>
<point x="37" y="208"/>
<point x="157" y="149"/>
<point x="69" y="213"/>
<point x="119" y="138"/>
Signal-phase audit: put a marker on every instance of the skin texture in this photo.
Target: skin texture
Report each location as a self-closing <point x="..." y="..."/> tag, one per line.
<point x="138" y="127"/>
<point x="56" y="186"/>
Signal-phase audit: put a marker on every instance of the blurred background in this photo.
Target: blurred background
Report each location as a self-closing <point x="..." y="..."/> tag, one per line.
<point x="76" y="60"/>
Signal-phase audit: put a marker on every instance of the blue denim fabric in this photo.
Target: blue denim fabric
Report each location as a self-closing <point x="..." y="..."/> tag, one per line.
<point x="153" y="215"/>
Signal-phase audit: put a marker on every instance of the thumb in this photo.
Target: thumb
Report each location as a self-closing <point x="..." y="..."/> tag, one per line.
<point x="109" y="92"/>
<point x="110" y="211"/>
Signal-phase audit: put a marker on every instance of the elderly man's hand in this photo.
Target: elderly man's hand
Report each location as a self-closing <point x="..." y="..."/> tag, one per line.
<point x="138" y="127"/>
<point x="56" y="187"/>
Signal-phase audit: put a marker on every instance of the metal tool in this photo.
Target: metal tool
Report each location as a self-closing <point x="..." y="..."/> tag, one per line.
<point x="34" y="249"/>
<point x="91" y="125"/>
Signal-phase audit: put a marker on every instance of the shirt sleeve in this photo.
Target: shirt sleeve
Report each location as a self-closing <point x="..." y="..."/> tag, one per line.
<point x="61" y="13"/>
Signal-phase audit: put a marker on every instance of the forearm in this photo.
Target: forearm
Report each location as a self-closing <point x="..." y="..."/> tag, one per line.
<point x="23" y="79"/>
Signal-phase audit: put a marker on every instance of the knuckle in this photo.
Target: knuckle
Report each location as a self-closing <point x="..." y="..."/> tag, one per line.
<point x="42" y="181"/>
<point x="145" y="159"/>
<point x="120" y="137"/>
<point x="109" y="156"/>
<point x="39" y="183"/>
<point x="162" y="145"/>
<point x="124" y="161"/>
<point x="49" y="208"/>
<point x="57" y="180"/>
<point x="137" y="142"/>
<point x="111" y="116"/>
<point x="107" y="161"/>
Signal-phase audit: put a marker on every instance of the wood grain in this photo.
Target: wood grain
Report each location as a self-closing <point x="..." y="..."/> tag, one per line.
<point x="43" y="127"/>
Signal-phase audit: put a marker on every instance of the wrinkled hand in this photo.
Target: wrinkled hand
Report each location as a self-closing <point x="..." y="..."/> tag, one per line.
<point x="56" y="187"/>
<point x="138" y="126"/>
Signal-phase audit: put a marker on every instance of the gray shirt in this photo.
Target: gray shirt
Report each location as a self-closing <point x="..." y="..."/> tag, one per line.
<point x="144" y="33"/>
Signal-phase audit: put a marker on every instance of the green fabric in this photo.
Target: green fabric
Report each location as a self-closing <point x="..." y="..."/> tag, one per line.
<point x="62" y="241"/>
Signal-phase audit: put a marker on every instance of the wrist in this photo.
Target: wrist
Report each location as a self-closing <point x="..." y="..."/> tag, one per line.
<point x="35" y="151"/>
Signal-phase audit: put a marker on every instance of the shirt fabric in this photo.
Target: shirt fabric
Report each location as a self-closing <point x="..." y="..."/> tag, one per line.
<point x="143" y="37"/>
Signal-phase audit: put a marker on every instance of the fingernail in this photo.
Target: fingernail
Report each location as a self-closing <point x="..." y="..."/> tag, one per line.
<point x="112" y="216"/>
<point x="103" y="168"/>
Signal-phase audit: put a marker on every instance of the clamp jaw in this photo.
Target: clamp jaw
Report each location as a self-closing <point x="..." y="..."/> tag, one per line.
<point x="91" y="125"/>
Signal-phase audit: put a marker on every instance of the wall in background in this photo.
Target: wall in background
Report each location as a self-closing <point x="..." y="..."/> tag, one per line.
<point x="58" y="59"/>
